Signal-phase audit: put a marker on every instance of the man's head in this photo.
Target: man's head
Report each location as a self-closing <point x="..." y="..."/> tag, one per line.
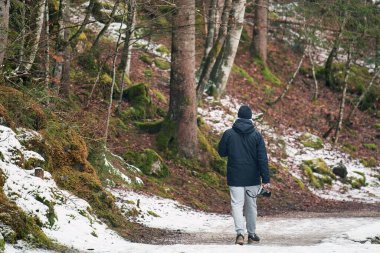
<point x="245" y="112"/>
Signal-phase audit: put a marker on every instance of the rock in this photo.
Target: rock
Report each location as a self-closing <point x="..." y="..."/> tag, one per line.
<point x="311" y="141"/>
<point x="340" y="170"/>
<point x="39" y="172"/>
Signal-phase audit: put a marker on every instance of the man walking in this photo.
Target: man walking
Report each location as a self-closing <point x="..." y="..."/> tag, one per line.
<point x="247" y="168"/>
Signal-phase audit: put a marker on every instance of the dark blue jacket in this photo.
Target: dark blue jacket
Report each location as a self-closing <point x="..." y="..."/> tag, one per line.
<point x="247" y="156"/>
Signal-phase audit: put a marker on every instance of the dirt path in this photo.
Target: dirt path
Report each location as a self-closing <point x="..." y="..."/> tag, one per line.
<point x="297" y="229"/>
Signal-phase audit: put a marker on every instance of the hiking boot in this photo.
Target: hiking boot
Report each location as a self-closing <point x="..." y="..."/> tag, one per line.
<point x="239" y="239"/>
<point x="253" y="238"/>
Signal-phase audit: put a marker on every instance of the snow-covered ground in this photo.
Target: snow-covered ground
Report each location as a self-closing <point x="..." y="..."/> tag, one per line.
<point x="76" y="227"/>
<point x="220" y="116"/>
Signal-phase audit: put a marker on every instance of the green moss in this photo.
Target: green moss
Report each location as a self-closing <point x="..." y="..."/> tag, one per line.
<point x="151" y="213"/>
<point x="160" y="96"/>
<point x="163" y="50"/>
<point x="320" y="167"/>
<point x="348" y="148"/>
<point x="21" y="109"/>
<point x="148" y="73"/>
<point x="377" y="125"/>
<point x="311" y="141"/>
<point x="299" y="182"/>
<point x="106" y="79"/>
<point x="210" y="178"/>
<point x="218" y="164"/>
<point x="162" y="21"/>
<point x="146" y="58"/>
<point x="166" y="137"/>
<point x="267" y="74"/>
<point x="149" y="162"/>
<point x="142" y="106"/>
<point x="370" y="146"/>
<point x="244" y="74"/>
<point x="357" y="182"/>
<point x="162" y="64"/>
<point x="150" y="126"/>
<point x="51" y="216"/>
<point x="369" y="162"/>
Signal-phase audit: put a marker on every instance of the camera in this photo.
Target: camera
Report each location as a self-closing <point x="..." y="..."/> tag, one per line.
<point x="264" y="193"/>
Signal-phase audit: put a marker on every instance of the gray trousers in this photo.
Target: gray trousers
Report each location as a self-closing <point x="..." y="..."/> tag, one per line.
<point x="240" y="203"/>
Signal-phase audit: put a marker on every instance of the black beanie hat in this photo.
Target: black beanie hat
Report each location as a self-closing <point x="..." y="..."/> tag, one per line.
<point x="245" y="112"/>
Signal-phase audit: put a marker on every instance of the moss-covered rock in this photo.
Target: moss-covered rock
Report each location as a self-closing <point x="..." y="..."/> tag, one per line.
<point x="311" y="141"/>
<point x="340" y="170"/>
<point x="2" y="242"/>
<point x="318" y="173"/>
<point x="150" y="126"/>
<point x="369" y="162"/>
<point x="142" y="106"/>
<point x="166" y="137"/>
<point x="357" y="182"/>
<point x="162" y="64"/>
<point x="149" y="162"/>
<point x="146" y="58"/>
<point x="162" y="49"/>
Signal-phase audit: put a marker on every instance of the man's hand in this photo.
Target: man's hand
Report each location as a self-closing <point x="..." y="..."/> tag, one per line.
<point x="266" y="186"/>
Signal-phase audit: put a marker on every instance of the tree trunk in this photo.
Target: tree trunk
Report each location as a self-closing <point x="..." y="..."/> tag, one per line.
<point x="230" y="48"/>
<point x="218" y="15"/>
<point x="260" y="30"/>
<point x="329" y="72"/>
<point x="4" y="22"/>
<point x="104" y="29"/>
<point x="35" y="37"/>
<point x="64" y="90"/>
<point x="210" y="27"/>
<point x="183" y="106"/>
<point x="343" y="101"/>
<point x="316" y="89"/>
<point x="126" y="56"/>
<point x="47" y="47"/>
<point x="22" y="36"/>
<point x="362" y="96"/>
<point x="377" y="52"/>
<point x="216" y="49"/>
<point x="112" y="85"/>
<point x="59" y="47"/>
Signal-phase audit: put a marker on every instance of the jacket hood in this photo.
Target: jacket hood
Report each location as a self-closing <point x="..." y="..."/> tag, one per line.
<point x="243" y="126"/>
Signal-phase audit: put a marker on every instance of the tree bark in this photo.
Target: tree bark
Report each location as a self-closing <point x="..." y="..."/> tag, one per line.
<point x="59" y="47"/>
<point x="183" y="106"/>
<point x="230" y="47"/>
<point x="126" y="56"/>
<point x="329" y="74"/>
<point x="343" y="101"/>
<point x="260" y="30"/>
<point x="35" y="37"/>
<point x="210" y="27"/>
<point x="216" y="49"/>
<point x="104" y="29"/>
<point x="47" y="46"/>
<point x="218" y="15"/>
<point x="316" y="89"/>
<point x="112" y="85"/>
<point x="4" y="23"/>
<point x="64" y="90"/>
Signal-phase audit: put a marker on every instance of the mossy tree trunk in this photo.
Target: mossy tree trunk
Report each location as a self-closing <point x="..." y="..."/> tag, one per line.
<point x="223" y="68"/>
<point x="260" y="30"/>
<point x="210" y="26"/>
<point x="183" y="106"/>
<point x="215" y="51"/>
<point x="126" y="57"/>
<point x="329" y="71"/>
<point x="4" y="22"/>
<point x="37" y="18"/>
